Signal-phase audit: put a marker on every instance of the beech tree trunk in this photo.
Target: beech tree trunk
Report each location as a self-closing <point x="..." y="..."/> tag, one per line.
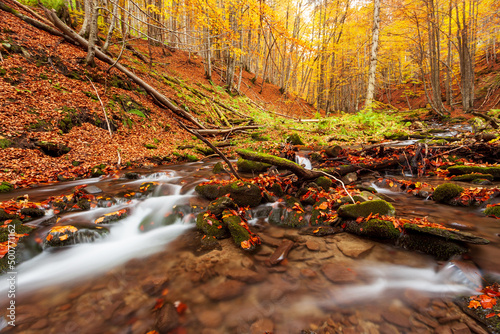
<point x="370" y="91"/>
<point x="89" y="60"/>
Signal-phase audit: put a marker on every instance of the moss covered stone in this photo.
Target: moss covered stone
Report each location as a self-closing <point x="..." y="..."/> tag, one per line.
<point x="65" y="235"/>
<point x="438" y="247"/>
<point x="31" y="213"/>
<point x="52" y="149"/>
<point x="445" y="234"/>
<point x="247" y="166"/>
<point x="97" y="170"/>
<point x="210" y="191"/>
<point x="446" y="192"/>
<point x="206" y="151"/>
<point x="4" y="143"/>
<point x="218" y="168"/>
<point x="319" y="213"/>
<point x="243" y="193"/>
<point x="472" y="177"/>
<point x="220" y="205"/>
<point x="373" y="228"/>
<point x="366" y="208"/>
<point x="493" y="211"/>
<point x="240" y="234"/>
<point x="333" y="151"/>
<point x="324" y="182"/>
<point x="276" y="189"/>
<point x="461" y="170"/>
<point x="6" y="187"/>
<point x="294" y="139"/>
<point x="18" y="227"/>
<point x="211" y="226"/>
<point x="283" y="214"/>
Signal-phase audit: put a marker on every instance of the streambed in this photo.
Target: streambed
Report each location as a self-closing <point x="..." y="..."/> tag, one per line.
<point x="134" y="282"/>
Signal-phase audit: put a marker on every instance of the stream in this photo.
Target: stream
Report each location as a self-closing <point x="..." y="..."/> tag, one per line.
<point x="131" y="281"/>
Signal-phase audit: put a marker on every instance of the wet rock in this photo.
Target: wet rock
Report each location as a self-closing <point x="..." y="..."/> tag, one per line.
<point x="243" y="193"/>
<point x="219" y="205"/>
<point x="167" y="318"/>
<point x="294" y="139"/>
<point x="446" y="234"/>
<point x="245" y="275"/>
<point x="65" y="235"/>
<point x="460" y="328"/>
<point x="366" y="208"/>
<point x="350" y="178"/>
<point x="312" y="245"/>
<point x="446" y="192"/>
<point x="210" y="318"/>
<point x="338" y="273"/>
<point x="320" y="231"/>
<point x="32" y="213"/>
<point x="264" y="325"/>
<point x="289" y="213"/>
<point x="440" y="248"/>
<point x="112" y="217"/>
<point x="218" y="168"/>
<point x="211" y="226"/>
<point x="225" y="290"/>
<point x="373" y="228"/>
<point x="248" y="166"/>
<point x="92" y="190"/>
<point x="319" y="213"/>
<point x="240" y="232"/>
<point x="210" y="191"/>
<point x="132" y="176"/>
<point x="472" y="177"/>
<point x="354" y="247"/>
<point x="281" y="252"/>
<point x="396" y="318"/>
<point x="276" y="189"/>
<point x="185" y="213"/>
<point x="493" y="211"/>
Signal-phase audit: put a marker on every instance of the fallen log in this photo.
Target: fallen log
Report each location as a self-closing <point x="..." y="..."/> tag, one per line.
<point x="344" y="170"/>
<point x="227" y="130"/>
<point x="67" y="31"/>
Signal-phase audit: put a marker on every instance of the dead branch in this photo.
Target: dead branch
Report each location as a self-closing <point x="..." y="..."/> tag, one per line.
<point x="209" y="144"/>
<point x="228" y="130"/>
<point x="486" y="118"/>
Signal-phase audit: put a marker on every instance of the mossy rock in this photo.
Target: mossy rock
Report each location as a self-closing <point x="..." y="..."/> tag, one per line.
<point x="4" y="215"/>
<point x="211" y="226"/>
<point x="461" y="170"/>
<point x="294" y="139"/>
<point x="220" y="205"/>
<point x="206" y="151"/>
<point x="445" y="234"/>
<point x="112" y="217"/>
<point x="481" y="314"/>
<point x="52" y="149"/>
<point x="333" y="151"/>
<point x="5" y="187"/>
<point x="218" y="168"/>
<point x="400" y="135"/>
<point x="276" y="189"/>
<point x="316" y="157"/>
<point x="248" y="166"/>
<point x="243" y="193"/>
<point x="132" y="176"/>
<point x="66" y="235"/>
<point x="242" y="238"/>
<point x="26" y="249"/>
<point x="373" y="228"/>
<point x="438" y="247"/>
<point x="446" y="192"/>
<point x="493" y="211"/>
<point x="209" y="191"/>
<point x="482" y="182"/>
<point x="18" y="227"/>
<point x="324" y="182"/>
<point x="472" y="177"/>
<point x="318" y="215"/>
<point x="364" y="209"/>
<point x="283" y="215"/>
<point x="32" y="213"/>
<point x="97" y="170"/>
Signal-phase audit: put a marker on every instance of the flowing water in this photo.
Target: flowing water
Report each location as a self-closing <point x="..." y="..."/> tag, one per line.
<point x="135" y="282"/>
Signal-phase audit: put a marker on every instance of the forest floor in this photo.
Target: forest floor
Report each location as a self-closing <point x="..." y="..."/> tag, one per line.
<point x="48" y="97"/>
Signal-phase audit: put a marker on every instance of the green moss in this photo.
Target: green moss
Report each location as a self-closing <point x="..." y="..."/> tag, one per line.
<point x="366" y="208"/>
<point x="209" y="191"/>
<point x="373" y="228"/>
<point x="432" y="245"/>
<point x="284" y="215"/>
<point x="97" y="170"/>
<point x="238" y="232"/>
<point x="243" y="193"/>
<point x="220" y="205"/>
<point x="206" y="151"/>
<point x="218" y="168"/>
<point x="91" y="95"/>
<point x="460" y="170"/>
<point x="4" y="143"/>
<point x="248" y="166"/>
<point x="472" y="177"/>
<point x="493" y="211"/>
<point x="2" y="72"/>
<point x="150" y="146"/>
<point x="75" y="163"/>
<point x="6" y="187"/>
<point x="324" y="182"/>
<point x="210" y="226"/>
<point x="19" y="229"/>
<point x="446" y="192"/>
<point x="294" y="139"/>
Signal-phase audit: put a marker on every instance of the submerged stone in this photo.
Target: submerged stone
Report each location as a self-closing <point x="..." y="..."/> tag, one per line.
<point x="446" y="192"/>
<point x="364" y="209"/>
<point x="438" y="247"/>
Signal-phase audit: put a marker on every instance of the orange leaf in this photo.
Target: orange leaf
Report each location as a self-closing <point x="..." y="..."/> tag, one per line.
<point x="63" y="237"/>
<point x="474" y="304"/>
<point x="323" y="206"/>
<point x="491" y="315"/>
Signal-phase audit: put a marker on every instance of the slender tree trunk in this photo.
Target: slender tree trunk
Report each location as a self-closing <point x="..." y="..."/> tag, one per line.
<point x="111" y="27"/>
<point x="89" y="60"/>
<point x="373" y="55"/>
<point x="87" y="21"/>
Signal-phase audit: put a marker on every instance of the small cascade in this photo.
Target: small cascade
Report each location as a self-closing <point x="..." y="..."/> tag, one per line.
<point x="303" y="161"/>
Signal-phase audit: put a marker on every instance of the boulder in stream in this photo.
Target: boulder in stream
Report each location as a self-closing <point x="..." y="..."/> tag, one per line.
<point x="373" y="228"/>
<point x="493" y="211"/>
<point x="221" y="204"/>
<point x="288" y="213"/>
<point x="364" y="209"/>
<point x="446" y="192"/>
<point x="243" y="193"/>
<point x="472" y="177"/>
<point x="65" y="235"/>
<point x="112" y="217"/>
<point x="212" y="227"/>
<point x="238" y="228"/>
<point x="461" y="170"/>
<point x="447" y="234"/>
